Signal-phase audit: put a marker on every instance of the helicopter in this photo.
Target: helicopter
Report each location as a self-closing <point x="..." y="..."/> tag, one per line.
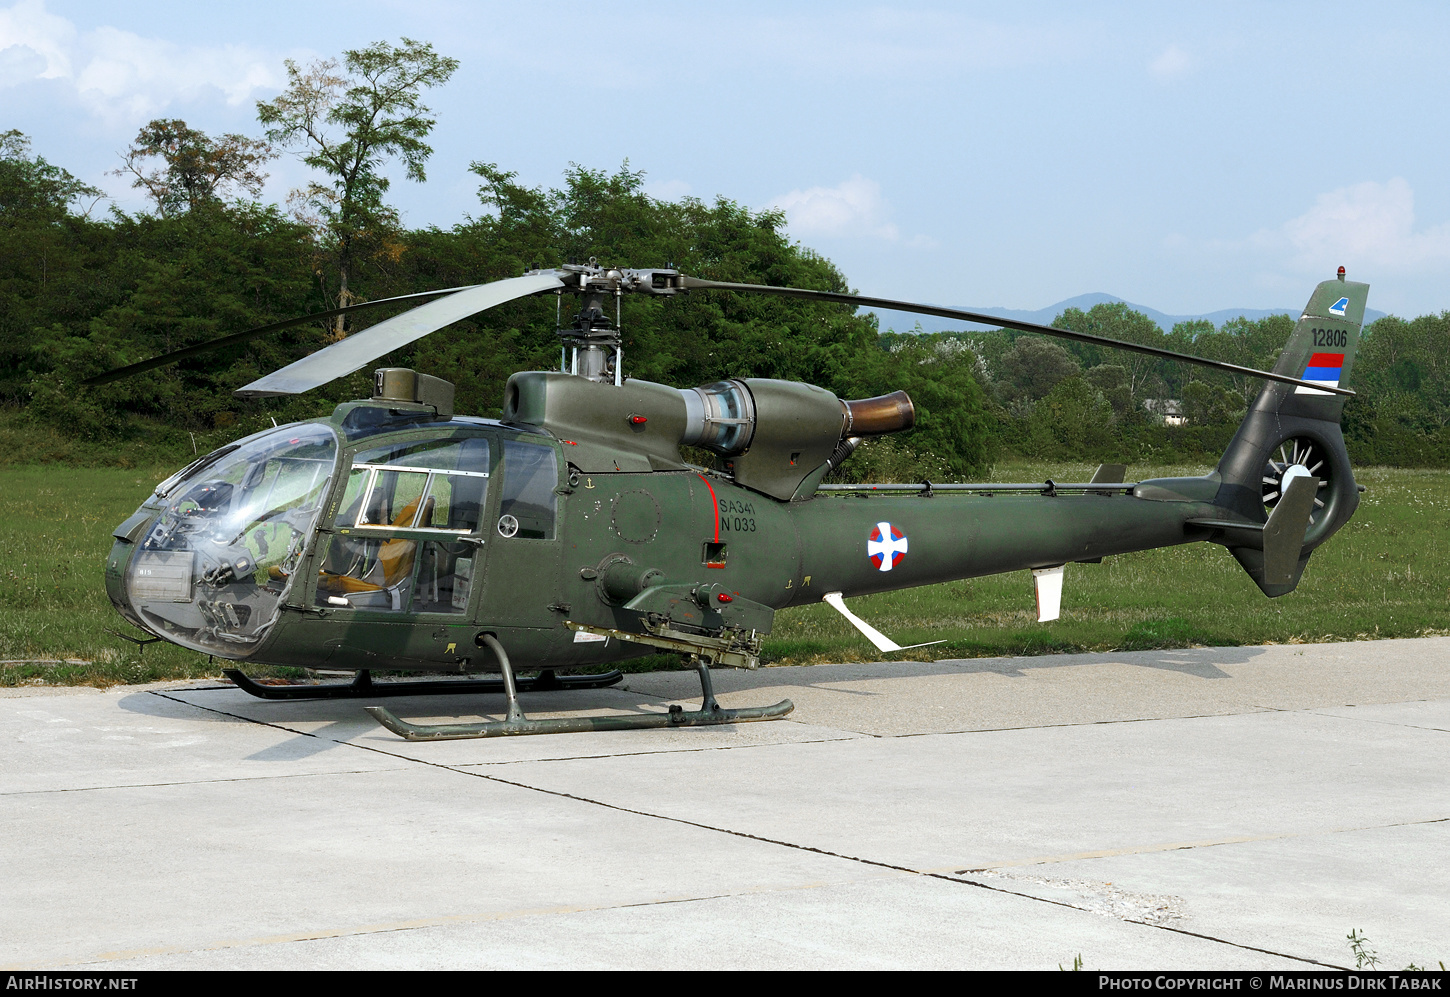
<point x="571" y="533"/>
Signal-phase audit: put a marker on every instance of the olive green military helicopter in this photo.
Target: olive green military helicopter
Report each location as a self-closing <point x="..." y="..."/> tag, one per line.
<point x="396" y="535"/>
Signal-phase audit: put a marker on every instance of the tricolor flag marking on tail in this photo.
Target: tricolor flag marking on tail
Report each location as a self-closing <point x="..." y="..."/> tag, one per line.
<point x="1323" y="368"/>
<point x="886" y="546"/>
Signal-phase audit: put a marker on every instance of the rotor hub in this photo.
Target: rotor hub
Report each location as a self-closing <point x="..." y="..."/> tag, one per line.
<point x="591" y="346"/>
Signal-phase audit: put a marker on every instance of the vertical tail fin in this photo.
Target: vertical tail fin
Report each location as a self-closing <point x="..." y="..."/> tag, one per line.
<point x="1292" y="431"/>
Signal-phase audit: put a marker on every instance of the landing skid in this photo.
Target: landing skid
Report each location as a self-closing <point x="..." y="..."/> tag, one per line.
<point x="709" y="713"/>
<point x="363" y="687"/>
<point x="677" y="717"/>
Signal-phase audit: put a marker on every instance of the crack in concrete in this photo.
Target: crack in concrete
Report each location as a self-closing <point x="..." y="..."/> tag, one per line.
<point x="661" y="751"/>
<point x="1076" y="723"/>
<point x="431" y="922"/>
<point x="1314" y="711"/>
<point x="1179" y="846"/>
<point x="197" y="782"/>
<point x="789" y="844"/>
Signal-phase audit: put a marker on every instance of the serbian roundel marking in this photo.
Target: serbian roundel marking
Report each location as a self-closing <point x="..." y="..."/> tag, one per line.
<point x="886" y="546"/>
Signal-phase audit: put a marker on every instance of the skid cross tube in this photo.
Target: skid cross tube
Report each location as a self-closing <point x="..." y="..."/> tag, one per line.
<point x="517" y="723"/>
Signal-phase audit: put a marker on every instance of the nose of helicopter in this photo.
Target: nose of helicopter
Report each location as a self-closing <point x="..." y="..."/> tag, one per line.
<point x="207" y="561"/>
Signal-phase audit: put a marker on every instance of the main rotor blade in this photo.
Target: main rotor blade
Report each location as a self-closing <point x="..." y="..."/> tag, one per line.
<point x="242" y="337"/>
<point x="1005" y="323"/>
<point x="344" y="357"/>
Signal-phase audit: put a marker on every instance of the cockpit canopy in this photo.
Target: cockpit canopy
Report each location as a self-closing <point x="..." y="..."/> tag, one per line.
<point x="221" y="544"/>
<point x="214" y="567"/>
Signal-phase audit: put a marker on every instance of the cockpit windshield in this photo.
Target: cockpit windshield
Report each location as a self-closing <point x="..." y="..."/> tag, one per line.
<point x="212" y="571"/>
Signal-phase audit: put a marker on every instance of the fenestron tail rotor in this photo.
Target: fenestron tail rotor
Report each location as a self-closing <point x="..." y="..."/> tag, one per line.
<point x="1297" y="457"/>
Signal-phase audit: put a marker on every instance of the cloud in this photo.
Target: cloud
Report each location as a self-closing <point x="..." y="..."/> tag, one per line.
<point x="851" y="208"/>
<point x="1171" y="63"/>
<point x="35" y="40"/>
<point x="119" y="75"/>
<point x="1367" y="226"/>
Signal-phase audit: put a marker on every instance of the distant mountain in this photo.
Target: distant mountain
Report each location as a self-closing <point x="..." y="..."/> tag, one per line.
<point x="906" y="322"/>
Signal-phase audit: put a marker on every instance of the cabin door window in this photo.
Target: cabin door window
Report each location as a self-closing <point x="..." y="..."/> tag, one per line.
<point x="406" y="536"/>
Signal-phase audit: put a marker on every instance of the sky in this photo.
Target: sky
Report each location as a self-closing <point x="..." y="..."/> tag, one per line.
<point x="1189" y="156"/>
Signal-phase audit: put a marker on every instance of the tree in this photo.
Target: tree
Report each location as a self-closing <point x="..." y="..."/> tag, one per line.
<point x="1073" y="421"/>
<point x="1111" y="381"/>
<point x="1246" y="342"/>
<point x="953" y="424"/>
<point x="1115" y="320"/>
<point x="350" y="122"/>
<point x="1207" y="404"/>
<point x="1406" y="363"/>
<point x="197" y="169"/>
<point x="42" y="246"/>
<point x="1032" y="368"/>
<point x="32" y="188"/>
<point x="161" y="284"/>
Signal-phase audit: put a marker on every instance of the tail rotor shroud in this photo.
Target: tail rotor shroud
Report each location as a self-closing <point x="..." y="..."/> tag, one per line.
<point x="1298" y="456"/>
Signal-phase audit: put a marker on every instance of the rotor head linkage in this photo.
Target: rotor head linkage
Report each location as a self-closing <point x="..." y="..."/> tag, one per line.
<point x="592" y="344"/>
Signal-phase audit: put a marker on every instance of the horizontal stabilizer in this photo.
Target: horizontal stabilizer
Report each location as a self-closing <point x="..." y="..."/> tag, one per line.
<point x="882" y="642"/>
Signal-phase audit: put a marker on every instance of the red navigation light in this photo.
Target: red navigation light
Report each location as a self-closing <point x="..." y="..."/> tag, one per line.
<point x="637" y="420"/>
<point x="724" y="598"/>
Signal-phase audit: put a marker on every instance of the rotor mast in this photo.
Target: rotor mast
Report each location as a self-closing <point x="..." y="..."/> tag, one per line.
<point x="592" y="343"/>
<point x="591" y="346"/>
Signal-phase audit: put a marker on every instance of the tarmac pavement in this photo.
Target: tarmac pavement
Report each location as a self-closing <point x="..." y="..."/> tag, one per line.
<point x="1215" y="808"/>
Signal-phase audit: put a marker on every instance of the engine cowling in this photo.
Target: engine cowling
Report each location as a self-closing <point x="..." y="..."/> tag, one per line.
<point x="774" y="434"/>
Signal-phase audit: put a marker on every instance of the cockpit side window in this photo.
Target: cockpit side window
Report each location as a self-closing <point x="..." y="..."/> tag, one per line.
<point x="396" y="497"/>
<point x="528" y="503"/>
<point x="467" y="454"/>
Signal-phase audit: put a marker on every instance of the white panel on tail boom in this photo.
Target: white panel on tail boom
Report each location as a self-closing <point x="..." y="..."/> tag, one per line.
<point x="882" y="642"/>
<point x="1048" y="584"/>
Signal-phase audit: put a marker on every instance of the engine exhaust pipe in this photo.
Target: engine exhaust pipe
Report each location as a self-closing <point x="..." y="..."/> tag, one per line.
<point x="891" y="413"/>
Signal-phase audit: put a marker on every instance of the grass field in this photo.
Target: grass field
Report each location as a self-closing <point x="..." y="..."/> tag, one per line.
<point x="1381" y="576"/>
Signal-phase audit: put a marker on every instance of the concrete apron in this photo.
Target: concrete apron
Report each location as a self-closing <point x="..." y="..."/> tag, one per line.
<point x="1208" y="808"/>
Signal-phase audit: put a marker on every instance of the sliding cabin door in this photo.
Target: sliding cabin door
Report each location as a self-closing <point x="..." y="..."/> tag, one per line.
<point x="404" y="560"/>
<point x="523" y="538"/>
